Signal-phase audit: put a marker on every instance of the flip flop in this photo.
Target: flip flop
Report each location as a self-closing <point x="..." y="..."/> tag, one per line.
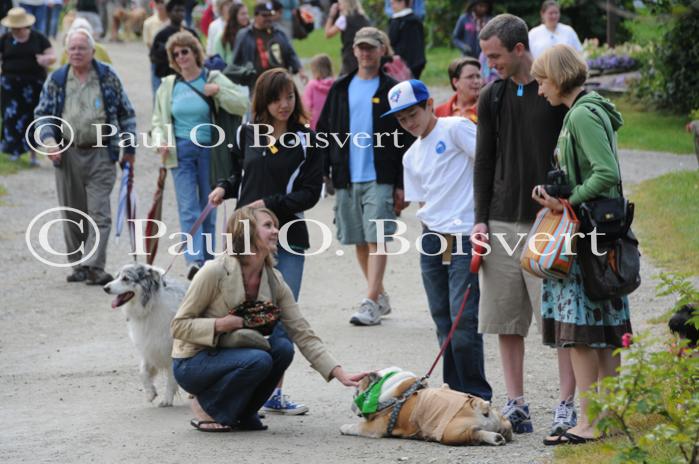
<point x="568" y="438"/>
<point x="578" y="440"/>
<point x="197" y="424"/>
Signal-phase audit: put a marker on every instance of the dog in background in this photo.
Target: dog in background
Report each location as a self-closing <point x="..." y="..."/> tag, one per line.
<point x="433" y="414"/>
<point x="150" y="304"/>
<point x="679" y="324"/>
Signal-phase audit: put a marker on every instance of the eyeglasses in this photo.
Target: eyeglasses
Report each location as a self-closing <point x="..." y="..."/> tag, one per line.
<point x="183" y="52"/>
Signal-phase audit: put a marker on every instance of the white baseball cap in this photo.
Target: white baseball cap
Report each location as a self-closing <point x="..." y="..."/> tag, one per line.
<point x="406" y="94"/>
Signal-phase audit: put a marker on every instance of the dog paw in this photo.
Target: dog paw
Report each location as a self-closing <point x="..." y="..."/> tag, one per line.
<point x="348" y="429"/>
<point x="498" y="440"/>
<point x="492" y="438"/>
<point x="151" y="394"/>
<point x="165" y="403"/>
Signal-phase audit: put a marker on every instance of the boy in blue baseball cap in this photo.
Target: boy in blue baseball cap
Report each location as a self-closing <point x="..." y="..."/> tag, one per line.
<point x="438" y="174"/>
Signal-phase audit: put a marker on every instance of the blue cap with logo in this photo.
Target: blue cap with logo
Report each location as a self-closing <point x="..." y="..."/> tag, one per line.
<point x="406" y="94"/>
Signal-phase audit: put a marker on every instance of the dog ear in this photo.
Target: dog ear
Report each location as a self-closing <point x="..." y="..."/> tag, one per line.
<point x="368" y="380"/>
<point x="155" y="275"/>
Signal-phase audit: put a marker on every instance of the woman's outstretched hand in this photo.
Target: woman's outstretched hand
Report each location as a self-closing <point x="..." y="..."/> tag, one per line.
<point x="348" y="380"/>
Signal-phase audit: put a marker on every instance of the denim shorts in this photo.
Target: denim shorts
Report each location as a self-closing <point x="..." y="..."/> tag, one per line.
<point x="356" y="209"/>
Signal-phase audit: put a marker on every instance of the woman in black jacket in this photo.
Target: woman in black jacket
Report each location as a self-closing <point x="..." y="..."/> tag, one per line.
<point x="284" y="178"/>
<point x="407" y="36"/>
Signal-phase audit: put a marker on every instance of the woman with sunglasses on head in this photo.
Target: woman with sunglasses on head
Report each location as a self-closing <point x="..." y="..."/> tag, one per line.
<point x="230" y="379"/>
<point x="183" y="108"/>
<point x="285" y="180"/>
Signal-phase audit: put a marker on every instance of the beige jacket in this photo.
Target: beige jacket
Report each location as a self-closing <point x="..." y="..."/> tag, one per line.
<point x="218" y="287"/>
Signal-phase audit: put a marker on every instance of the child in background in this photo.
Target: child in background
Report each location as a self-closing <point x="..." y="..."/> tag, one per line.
<point x="317" y="89"/>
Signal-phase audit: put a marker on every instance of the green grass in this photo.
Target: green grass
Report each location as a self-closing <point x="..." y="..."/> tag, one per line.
<point x="667" y="220"/>
<point x="604" y="451"/>
<point x="8" y="167"/>
<point x="653" y="130"/>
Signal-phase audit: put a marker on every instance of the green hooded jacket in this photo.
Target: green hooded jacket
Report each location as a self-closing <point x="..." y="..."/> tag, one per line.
<point x="590" y="126"/>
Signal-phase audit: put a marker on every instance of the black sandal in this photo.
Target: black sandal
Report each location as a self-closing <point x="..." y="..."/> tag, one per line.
<point x="568" y="438"/>
<point x="197" y="424"/>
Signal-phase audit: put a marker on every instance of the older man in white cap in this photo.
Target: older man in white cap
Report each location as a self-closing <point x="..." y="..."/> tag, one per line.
<point x="85" y="94"/>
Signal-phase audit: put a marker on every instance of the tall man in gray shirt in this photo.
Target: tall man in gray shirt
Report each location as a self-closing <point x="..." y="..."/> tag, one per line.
<point x="517" y="134"/>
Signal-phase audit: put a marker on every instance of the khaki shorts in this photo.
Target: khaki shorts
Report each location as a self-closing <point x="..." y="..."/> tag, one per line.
<point x="509" y="295"/>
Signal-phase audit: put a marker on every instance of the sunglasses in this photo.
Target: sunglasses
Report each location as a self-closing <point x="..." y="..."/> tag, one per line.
<point x="183" y="52"/>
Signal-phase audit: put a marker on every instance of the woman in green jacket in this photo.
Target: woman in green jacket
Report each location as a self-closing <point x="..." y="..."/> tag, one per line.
<point x="591" y="329"/>
<point x="183" y="133"/>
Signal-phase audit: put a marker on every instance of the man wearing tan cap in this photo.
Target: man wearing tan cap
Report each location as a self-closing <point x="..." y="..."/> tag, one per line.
<point x="366" y="171"/>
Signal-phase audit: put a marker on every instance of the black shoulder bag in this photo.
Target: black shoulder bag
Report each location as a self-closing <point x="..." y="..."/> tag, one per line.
<point x="612" y="268"/>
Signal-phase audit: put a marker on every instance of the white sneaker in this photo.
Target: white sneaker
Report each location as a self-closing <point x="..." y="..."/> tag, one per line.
<point x="369" y="314"/>
<point x="384" y="304"/>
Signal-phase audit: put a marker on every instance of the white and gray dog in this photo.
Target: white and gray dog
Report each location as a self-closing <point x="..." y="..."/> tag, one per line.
<point x="151" y="304"/>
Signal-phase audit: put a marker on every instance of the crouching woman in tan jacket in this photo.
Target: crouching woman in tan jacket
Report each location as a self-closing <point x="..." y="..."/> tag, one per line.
<point x="231" y="384"/>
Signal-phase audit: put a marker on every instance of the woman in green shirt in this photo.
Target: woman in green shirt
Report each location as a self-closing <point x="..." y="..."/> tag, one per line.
<point x="592" y="330"/>
<point x="224" y="43"/>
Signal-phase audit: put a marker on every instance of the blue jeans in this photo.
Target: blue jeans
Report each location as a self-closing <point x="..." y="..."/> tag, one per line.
<point x="445" y="286"/>
<point x="291" y="267"/>
<point x="233" y="383"/>
<point x="154" y="82"/>
<point x="39" y="12"/>
<point x="53" y="15"/>
<point x="192" y="189"/>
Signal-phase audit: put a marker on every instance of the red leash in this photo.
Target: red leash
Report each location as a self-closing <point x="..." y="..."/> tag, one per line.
<point x="476" y="259"/>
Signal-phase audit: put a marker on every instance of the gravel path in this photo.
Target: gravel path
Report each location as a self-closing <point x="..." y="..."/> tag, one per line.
<point x="69" y="390"/>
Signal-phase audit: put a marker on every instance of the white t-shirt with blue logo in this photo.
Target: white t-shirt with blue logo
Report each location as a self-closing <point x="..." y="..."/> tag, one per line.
<point x="361" y="107"/>
<point x="438" y="170"/>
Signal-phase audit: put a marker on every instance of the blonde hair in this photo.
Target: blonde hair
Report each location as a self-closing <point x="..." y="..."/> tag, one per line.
<point x="238" y="230"/>
<point x="184" y="40"/>
<point x="563" y="66"/>
<point x="354" y="7"/>
<point x="322" y="66"/>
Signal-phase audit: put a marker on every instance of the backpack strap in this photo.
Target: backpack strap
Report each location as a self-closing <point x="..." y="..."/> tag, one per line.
<point x="496" y="95"/>
<point x="209" y="101"/>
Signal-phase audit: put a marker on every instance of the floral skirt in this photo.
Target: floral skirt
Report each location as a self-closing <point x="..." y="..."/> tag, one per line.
<point x="20" y="95"/>
<point x="569" y="318"/>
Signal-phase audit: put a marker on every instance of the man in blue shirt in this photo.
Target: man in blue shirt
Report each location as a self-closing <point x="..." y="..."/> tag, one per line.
<point x="367" y="170"/>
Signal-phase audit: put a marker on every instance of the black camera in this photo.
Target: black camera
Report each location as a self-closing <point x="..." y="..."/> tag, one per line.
<point x="557" y="184"/>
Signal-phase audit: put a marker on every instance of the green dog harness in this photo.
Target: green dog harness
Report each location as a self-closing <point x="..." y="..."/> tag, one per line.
<point x="368" y="400"/>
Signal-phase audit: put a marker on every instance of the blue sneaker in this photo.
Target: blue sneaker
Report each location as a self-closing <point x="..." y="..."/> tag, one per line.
<point x="281" y="404"/>
<point x="518" y="415"/>
<point x="564" y="418"/>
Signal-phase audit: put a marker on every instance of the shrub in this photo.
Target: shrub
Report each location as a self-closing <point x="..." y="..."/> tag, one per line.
<point x="654" y="381"/>
<point x="670" y="79"/>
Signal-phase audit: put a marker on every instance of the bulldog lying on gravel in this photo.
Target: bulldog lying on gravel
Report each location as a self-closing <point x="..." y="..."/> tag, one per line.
<point x="433" y="414"/>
